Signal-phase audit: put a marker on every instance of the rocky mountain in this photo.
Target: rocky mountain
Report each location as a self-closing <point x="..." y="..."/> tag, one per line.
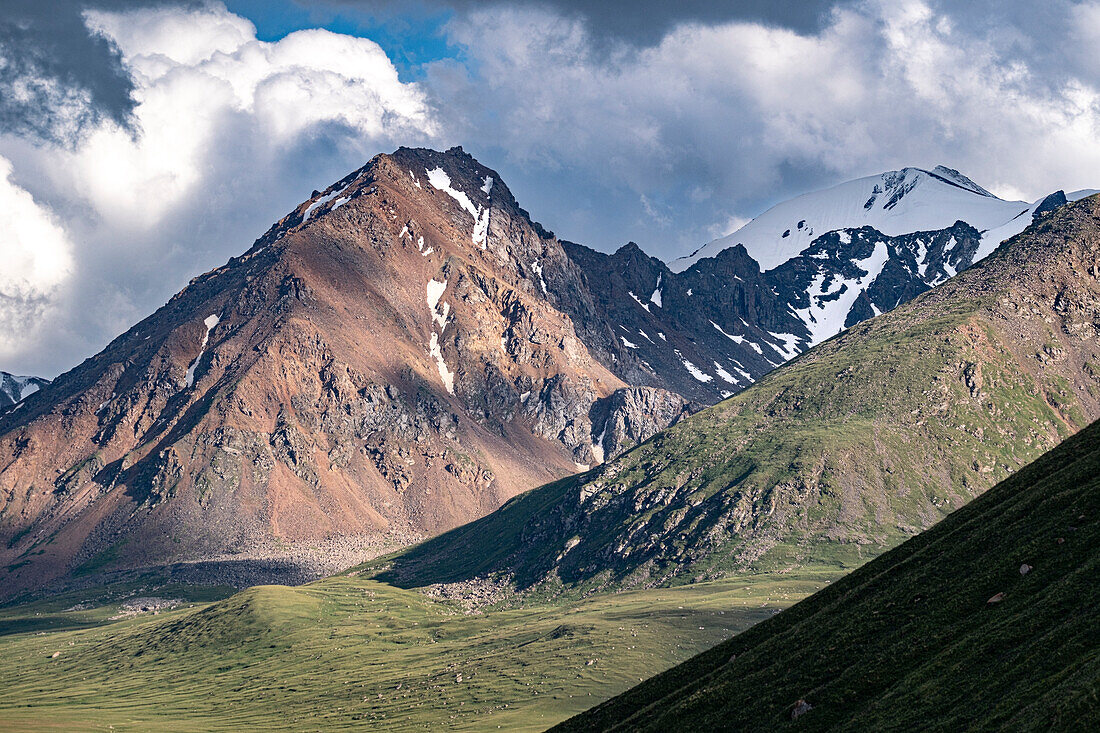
<point x="385" y="363"/>
<point x="988" y="620"/>
<point x="856" y="445"/>
<point x="13" y="388"/>
<point x="712" y="330"/>
<point x="710" y="325"/>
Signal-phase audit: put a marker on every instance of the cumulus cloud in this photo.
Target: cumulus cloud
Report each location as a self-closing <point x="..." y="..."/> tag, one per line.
<point x="35" y="258"/>
<point x="228" y="132"/>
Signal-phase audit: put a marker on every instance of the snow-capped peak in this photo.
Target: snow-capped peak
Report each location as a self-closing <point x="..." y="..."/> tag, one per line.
<point x="895" y="203"/>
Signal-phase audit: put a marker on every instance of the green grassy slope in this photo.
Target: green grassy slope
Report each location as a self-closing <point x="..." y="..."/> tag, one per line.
<point x="853" y="447"/>
<point x="910" y="641"/>
<point x="351" y="653"/>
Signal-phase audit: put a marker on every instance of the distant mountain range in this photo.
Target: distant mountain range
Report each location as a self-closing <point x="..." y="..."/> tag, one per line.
<point x="407" y="349"/>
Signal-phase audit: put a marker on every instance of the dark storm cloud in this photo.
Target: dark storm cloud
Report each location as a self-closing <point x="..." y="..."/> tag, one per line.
<point x="666" y="123"/>
<point x="55" y="78"/>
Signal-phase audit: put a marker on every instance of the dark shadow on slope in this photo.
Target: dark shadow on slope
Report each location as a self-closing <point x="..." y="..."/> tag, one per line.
<point x="990" y="620"/>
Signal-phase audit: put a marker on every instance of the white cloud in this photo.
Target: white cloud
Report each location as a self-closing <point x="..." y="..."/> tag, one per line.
<point x="757" y="114"/>
<point x="669" y="144"/>
<point x="231" y="132"/>
<point x="35" y="258"/>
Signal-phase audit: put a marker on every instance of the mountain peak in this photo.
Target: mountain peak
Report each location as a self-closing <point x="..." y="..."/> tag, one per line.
<point x="391" y="359"/>
<point x="14" y="388"/>
<point x="894" y="202"/>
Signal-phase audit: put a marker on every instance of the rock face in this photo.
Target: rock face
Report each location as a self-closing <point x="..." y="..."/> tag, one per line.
<point x="385" y="363"/>
<point x="632" y="415"/>
<point x="717" y="327"/>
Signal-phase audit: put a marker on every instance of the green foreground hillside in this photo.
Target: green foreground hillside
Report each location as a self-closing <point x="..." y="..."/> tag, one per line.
<point x="351" y="653"/>
<point x="988" y="621"/>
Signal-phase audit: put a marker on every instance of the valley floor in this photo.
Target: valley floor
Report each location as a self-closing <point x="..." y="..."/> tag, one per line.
<point x="349" y="652"/>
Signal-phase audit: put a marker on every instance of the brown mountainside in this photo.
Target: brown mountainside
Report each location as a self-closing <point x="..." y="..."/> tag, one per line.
<point x="384" y="364"/>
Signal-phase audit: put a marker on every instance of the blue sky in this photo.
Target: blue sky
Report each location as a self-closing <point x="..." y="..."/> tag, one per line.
<point x="668" y="124"/>
<point x="411" y="38"/>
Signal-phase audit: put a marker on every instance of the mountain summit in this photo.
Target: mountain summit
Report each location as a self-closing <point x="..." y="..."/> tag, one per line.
<point x="383" y="364"/>
<point x="14" y="388"/>
<point x="894" y="203"/>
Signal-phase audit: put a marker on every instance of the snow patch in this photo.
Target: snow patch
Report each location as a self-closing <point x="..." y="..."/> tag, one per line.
<point x="104" y="404"/>
<point x="830" y="304"/>
<point x="435" y="292"/>
<point x="628" y="343"/>
<point x="325" y="199"/>
<point x="730" y="336"/>
<point x="656" y="297"/>
<point x="445" y="374"/>
<point x="740" y="369"/>
<point x="598" y="450"/>
<point x="789" y="349"/>
<point x="694" y="370"/>
<point x="536" y="267"/>
<point x="481" y="228"/>
<point x="442" y="182"/>
<point x="487" y="186"/>
<point x="210" y="321"/>
<point x="638" y="301"/>
<point x="726" y="376"/>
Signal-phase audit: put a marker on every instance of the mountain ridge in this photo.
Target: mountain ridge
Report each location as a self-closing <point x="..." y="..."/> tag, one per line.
<point x="15" y="388"/>
<point x="933" y="200"/>
<point x="399" y="354"/>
